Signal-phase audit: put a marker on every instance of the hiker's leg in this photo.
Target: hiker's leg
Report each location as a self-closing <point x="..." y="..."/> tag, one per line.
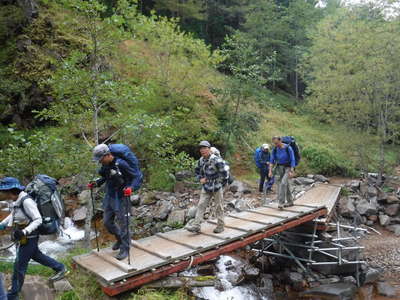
<point x="285" y="186"/>
<point x="24" y="254"/>
<point x="289" y="194"/>
<point x="219" y="206"/>
<point x="263" y="174"/>
<point x="279" y="180"/>
<point x="47" y="261"/>
<point x="201" y="207"/>
<point x="109" y="221"/>
<point x="270" y="182"/>
<point x="123" y="223"/>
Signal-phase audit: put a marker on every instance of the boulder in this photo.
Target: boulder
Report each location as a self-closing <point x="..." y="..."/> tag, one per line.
<point x="372" y="191"/>
<point x="395" y="229"/>
<point x="382" y="196"/>
<point x="367" y="208"/>
<point x="163" y="210"/>
<point x="346" y="207"/>
<point x="355" y="185"/>
<point x="191" y="214"/>
<point x="392" y="209"/>
<point x="297" y="281"/>
<point x="392" y="199"/>
<point x="84" y="197"/>
<point x="349" y="279"/>
<point x="251" y="273"/>
<point x="177" y="216"/>
<point x="36" y="288"/>
<point x="384" y="220"/>
<point x="303" y="181"/>
<point x="135" y="199"/>
<point x="79" y="214"/>
<point x="183" y="175"/>
<point x="206" y="270"/>
<point x="363" y="188"/>
<point x="321" y="178"/>
<point x="340" y="291"/>
<point x="148" y="198"/>
<point x="370" y="275"/>
<point x="385" y="289"/>
<point x="373" y="218"/>
<point x="62" y="286"/>
<point x="239" y="187"/>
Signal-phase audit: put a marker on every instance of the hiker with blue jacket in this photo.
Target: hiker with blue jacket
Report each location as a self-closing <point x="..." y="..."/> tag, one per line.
<point x="121" y="173"/>
<point x="25" y="220"/>
<point x="282" y="165"/>
<point x="262" y="157"/>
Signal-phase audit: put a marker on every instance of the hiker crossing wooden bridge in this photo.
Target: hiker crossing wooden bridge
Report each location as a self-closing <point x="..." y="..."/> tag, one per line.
<point x="162" y="254"/>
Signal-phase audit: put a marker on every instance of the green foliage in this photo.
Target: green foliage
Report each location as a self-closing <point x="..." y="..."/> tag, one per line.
<point x="152" y="294"/>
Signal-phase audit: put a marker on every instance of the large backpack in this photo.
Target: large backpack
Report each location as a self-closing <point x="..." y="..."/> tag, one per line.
<point x="43" y="190"/>
<point x="291" y="141"/>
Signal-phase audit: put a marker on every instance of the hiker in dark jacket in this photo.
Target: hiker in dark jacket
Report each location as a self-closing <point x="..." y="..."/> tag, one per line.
<point x="25" y="219"/>
<point x="212" y="174"/>
<point x="282" y="166"/>
<point x="120" y="178"/>
<point x="262" y="157"/>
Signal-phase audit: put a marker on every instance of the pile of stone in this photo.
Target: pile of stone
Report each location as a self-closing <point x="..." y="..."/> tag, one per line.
<point x="366" y="202"/>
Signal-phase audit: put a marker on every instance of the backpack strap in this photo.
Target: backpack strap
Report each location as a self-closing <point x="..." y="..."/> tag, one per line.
<point x="21" y="207"/>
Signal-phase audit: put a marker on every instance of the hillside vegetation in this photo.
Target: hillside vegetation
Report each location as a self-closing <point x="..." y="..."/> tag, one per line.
<point x="152" y="86"/>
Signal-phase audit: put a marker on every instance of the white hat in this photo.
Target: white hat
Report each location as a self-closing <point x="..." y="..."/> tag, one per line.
<point x="99" y="151"/>
<point x="265" y="146"/>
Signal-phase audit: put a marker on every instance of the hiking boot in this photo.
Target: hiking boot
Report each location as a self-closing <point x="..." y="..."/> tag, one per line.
<point x="281" y="206"/>
<point x="193" y="228"/>
<point x="59" y="275"/>
<point x="122" y="254"/>
<point x="218" y="229"/>
<point x="288" y="205"/>
<point x="116" y="246"/>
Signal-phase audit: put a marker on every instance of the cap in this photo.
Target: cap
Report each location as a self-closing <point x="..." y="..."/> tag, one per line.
<point x="265" y="146"/>
<point x="205" y="144"/>
<point x="9" y="183"/>
<point x="99" y="151"/>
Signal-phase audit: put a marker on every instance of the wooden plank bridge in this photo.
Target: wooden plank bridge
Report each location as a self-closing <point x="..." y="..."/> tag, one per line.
<point x="160" y="255"/>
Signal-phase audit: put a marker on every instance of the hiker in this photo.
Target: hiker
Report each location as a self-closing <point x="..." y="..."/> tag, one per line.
<point x="212" y="174"/>
<point x="121" y="172"/>
<point x="282" y="166"/>
<point x="262" y="157"/>
<point x="25" y="220"/>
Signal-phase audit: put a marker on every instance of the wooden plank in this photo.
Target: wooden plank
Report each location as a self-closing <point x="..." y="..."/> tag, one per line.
<point x="250" y="220"/>
<point x="150" y="251"/>
<point x="160" y="235"/>
<point x="110" y="259"/>
<point x="229" y="234"/>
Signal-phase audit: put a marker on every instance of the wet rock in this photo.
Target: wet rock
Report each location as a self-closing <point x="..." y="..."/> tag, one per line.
<point x="303" y="181"/>
<point x="372" y="191"/>
<point x="370" y="275"/>
<point x="392" y="199"/>
<point x="349" y="279"/>
<point x="367" y="292"/>
<point x="366" y="208"/>
<point x="321" y="178"/>
<point x="341" y="291"/>
<point x="385" y="289"/>
<point x="346" y="207"/>
<point x="234" y="278"/>
<point x="191" y="214"/>
<point x="392" y="209"/>
<point x="384" y="220"/>
<point x="206" y="270"/>
<point x="251" y="272"/>
<point x="84" y="197"/>
<point x="240" y="204"/>
<point x="148" y="198"/>
<point x="62" y="286"/>
<point x="239" y="187"/>
<point x="355" y="185"/>
<point x="297" y="281"/>
<point x="267" y="287"/>
<point x="135" y="199"/>
<point x="395" y="229"/>
<point x="177" y="216"/>
<point x="36" y="288"/>
<point x="79" y="214"/>
<point x="163" y="210"/>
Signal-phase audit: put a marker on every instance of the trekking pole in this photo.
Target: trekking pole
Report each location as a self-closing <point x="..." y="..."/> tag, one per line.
<point x="127" y="194"/>
<point x="91" y="186"/>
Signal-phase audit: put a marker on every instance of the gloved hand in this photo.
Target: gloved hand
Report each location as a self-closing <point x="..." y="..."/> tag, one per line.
<point x="2" y="227"/>
<point x="91" y="185"/>
<point x="18" y="234"/>
<point x="127" y="192"/>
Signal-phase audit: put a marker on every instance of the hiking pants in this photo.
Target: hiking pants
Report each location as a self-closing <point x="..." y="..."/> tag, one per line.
<point x="264" y="175"/>
<point x="205" y="198"/>
<point x="3" y="295"/>
<point x="115" y="220"/>
<point x="283" y="183"/>
<point x="24" y="254"/>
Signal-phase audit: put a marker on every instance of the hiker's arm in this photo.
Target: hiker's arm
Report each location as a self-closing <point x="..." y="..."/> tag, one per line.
<point x="292" y="159"/>
<point x="256" y="159"/>
<point x="32" y="211"/>
<point x="197" y="171"/>
<point x="102" y="179"/>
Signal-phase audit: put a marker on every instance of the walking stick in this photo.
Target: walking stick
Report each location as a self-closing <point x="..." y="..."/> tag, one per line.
<point x="127" y="194"/>
<point x="91" y="186"/>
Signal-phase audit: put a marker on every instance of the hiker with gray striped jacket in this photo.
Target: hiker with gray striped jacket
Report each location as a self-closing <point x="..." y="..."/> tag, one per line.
<point x="212" y="174"/>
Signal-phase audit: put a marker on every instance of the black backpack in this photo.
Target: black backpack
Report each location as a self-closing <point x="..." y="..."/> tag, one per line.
<point x="43" y="190"/>
<point x="291" y="141"/>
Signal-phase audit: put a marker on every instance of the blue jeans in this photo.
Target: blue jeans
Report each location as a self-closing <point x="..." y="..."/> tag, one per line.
<point x="24" y="254"/>
<point x="264" y="175"/>
<point x="115" y="220"/>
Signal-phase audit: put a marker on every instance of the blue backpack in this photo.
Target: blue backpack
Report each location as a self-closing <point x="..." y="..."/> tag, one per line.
<point x="124" y="152"/>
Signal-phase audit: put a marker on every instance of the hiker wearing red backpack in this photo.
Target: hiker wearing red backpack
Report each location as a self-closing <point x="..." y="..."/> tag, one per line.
<point x="121" y="173"/>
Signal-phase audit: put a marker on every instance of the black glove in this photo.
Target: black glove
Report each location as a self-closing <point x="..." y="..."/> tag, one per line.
<point x="18" y="234"/>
